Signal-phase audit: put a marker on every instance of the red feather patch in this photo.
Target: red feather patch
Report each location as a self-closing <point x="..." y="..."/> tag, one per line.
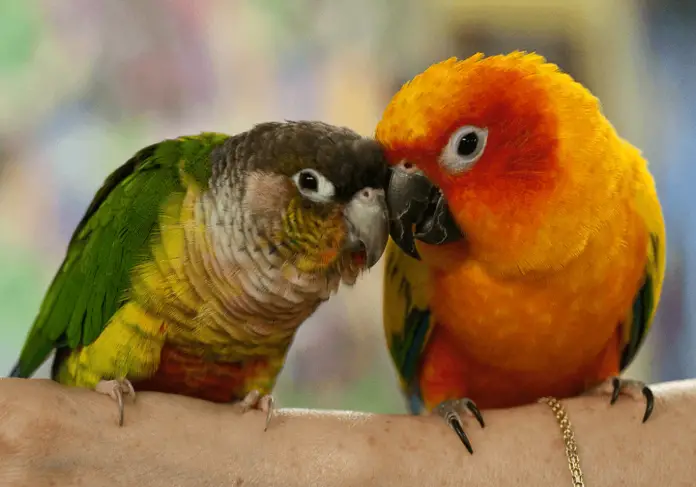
<point x="190" y="375"/>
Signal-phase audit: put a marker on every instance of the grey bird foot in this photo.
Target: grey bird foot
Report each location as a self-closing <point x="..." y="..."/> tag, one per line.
<point x="450" y="412"/>
<point x="638" y="390"/>
<point x="255" y="400"/>
<point x="116" y="389"/>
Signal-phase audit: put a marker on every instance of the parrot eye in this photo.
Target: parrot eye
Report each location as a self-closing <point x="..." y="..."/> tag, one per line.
<point x="464" y="148"/>
<point x="308" y="181"/>
<point x="314" y="186"/>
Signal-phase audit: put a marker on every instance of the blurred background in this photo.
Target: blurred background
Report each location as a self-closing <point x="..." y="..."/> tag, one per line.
<point x="85" y="83"/>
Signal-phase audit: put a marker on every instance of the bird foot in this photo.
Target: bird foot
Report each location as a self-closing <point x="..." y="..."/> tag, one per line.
<point x="255" y="400"/>
<point x="116" y="389"/>
<point x="450" y="412"/>
<point x="614" y="386"/>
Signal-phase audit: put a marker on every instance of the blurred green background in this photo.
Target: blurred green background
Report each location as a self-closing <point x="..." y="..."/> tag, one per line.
<point x="85" y="83"/>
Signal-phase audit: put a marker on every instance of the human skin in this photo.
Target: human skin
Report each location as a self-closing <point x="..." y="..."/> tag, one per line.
<point x="56" y="435"/>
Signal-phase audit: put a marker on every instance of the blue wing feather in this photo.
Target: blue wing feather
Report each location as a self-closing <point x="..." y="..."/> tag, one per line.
<point x="407" y="319"/>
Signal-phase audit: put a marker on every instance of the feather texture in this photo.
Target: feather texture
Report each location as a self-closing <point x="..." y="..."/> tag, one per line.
<point x="110" y="240"/>
<point x="407" y="318"/>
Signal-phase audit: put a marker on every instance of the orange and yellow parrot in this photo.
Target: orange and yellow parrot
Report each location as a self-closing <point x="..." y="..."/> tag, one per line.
<point x="528" y="248"/>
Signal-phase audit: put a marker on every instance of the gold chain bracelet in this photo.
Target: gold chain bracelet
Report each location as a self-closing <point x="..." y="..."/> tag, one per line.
<point x="568" y="438"/>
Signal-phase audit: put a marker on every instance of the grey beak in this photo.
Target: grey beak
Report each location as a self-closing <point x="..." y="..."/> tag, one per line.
<point x="418" y="211"/>
<point x="368" y="223"/>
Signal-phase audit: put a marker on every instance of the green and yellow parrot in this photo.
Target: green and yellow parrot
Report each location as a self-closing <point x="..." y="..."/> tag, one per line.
<point x="200" y="257"/>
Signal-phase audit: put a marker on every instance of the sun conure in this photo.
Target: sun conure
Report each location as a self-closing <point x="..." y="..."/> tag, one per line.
<point x="528" y="247"/>
<point x="200" y="257"/>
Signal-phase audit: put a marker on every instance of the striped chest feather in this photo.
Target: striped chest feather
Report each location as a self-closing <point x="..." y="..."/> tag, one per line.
<point x="222" y="288"/>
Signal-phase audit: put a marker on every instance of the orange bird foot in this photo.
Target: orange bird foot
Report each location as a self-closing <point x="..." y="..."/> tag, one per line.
<point x="450" y="412"/>
<point x="255" y="400"/>
<point x="634" y="388"/>
<point x="115" y="389"/>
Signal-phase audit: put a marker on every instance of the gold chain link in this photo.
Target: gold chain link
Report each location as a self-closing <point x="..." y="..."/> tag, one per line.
<point x="568" y="438"/>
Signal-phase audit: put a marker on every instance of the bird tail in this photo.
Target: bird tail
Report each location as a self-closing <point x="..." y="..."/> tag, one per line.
<point x="15" y="371"/>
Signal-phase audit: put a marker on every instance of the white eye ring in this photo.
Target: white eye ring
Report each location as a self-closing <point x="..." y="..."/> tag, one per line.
<point x="464" y="148"/>
<point x="313" y="185"/>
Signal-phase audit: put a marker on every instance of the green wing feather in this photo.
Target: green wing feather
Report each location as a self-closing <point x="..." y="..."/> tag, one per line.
<point x="640" y="317"/>
<point x="110" y="240"/>
<point x="407" y="318"/>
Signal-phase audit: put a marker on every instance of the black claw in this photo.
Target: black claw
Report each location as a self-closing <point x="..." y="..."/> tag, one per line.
<point x="456" y="425"/>
<point x="647" y="392"/>
<point x="649" y="402"/>
<point x="477" y="414"/>
<point x="616" y="383"/>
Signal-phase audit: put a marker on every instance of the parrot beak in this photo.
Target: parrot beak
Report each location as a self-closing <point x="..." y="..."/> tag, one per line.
<point x="418" y="210"/>
<point x="367" y="220"/>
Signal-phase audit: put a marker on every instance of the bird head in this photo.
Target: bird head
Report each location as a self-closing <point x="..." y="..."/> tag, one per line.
<point x="505" y="159"/>
<point x="312" y="191"/>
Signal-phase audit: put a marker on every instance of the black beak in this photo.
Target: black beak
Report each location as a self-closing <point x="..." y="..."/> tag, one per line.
<point x="418" y="210"/>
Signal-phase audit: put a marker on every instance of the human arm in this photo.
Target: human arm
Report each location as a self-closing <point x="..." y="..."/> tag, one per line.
<point x="54" y="435"/>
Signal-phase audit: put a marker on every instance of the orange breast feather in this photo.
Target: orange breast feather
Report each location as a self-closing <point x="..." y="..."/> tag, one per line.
<point x="505" y="342"/>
